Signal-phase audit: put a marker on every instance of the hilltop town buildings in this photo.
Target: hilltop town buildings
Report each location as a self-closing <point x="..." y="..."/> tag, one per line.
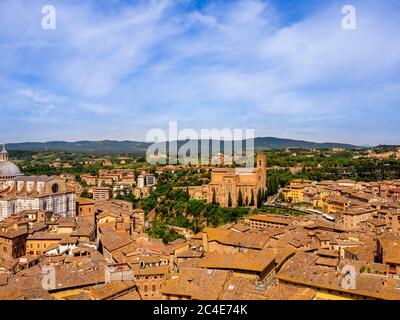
<point x="145" y="185"/>
<point x="104" y="253"/>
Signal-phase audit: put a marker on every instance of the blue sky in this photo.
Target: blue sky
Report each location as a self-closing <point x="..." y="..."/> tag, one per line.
<point x="116" y="69"/>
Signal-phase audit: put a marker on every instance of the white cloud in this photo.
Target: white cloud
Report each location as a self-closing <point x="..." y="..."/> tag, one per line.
<point x="227" y="64"/>
<point x="97" y="108"/>
<point x="40" y="96"/>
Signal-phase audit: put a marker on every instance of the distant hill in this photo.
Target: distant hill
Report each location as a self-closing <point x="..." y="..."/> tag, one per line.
<point x="279" y="143"/>
<point x="387" y="146"/>
<point x="139" y="148"/>
<point x="96" y="147"/>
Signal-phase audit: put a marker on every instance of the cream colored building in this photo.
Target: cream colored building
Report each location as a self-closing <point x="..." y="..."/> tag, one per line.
<point x="352" y="218"/>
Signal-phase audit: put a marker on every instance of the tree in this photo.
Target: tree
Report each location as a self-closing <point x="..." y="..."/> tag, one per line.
<point x="275" y="185"/>
<point x="195" y="207"/>
<point x="246" y="202"/>
<point x="240" y="199"/>
<point x="270" y="187"/>
<point x="127" y="197"/>
<point x="252" y="199"/>
<point x="187" y="193"/>
<point x="82" y="182"/>
<point x="86" y="194"/>
<point x="259" y="199"/>
<point x="229" y="200"/>
<point x="214" y="197"/>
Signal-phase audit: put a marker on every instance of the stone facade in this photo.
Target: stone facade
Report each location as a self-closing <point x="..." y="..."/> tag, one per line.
<point x="232" y="181"/>
<point x="37" y="193"/>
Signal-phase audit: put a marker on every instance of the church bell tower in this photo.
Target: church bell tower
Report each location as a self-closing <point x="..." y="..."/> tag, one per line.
<point x="261" y="165"/>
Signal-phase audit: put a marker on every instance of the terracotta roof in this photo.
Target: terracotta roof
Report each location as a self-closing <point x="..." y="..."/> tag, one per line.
<point x="302" y="270"/>
<point x="195" y="283"/>
<point x="249" y="261"/>
<point x="256" y="240"/>
<point x="13" y="233"/>
<point x="109" y="290"/>
<point x="330" y="262"/>
<point x="46" y="236"/>
<point x="112" y="241"/>
<point x="159" y="270"/>
<point x="270" y="218"/>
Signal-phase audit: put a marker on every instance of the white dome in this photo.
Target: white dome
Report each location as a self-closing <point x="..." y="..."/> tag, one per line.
<point x="8" y="170"/>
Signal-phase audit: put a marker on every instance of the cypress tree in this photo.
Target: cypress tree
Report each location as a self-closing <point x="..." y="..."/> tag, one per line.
<point x="229" y="200"/>
<point x="240" y="199"/>
<point x="275" y="185"/>
<point x="187" y="193"/>
<point x="270" y="188"/>
<point x="259" y="199"/>
<point x="214" y="197"/>
<point x="252" y="199"/>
